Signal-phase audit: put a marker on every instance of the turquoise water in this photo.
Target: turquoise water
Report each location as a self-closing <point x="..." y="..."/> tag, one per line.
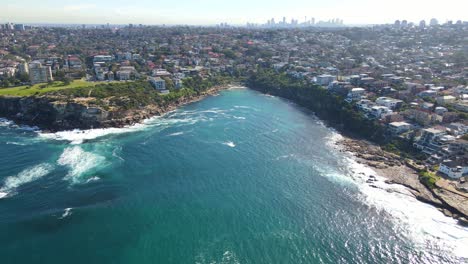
<point x="237" y="178"/>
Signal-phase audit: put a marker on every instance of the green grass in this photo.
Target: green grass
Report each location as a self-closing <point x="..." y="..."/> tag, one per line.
<point x="42" y="88"/>
<point x="429" y="179"/>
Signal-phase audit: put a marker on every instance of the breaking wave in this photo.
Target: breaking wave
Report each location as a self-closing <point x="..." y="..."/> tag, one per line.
<point x="79" y="162"/>
<point x="176" y="134"/>
<point x="25" y="176"/>
<point x="79" y="136"/>
<point x="423" y="223"/>
<point x="67" y="212"/>
<point x="11" y="124"/>
<point x="229" y="144"/>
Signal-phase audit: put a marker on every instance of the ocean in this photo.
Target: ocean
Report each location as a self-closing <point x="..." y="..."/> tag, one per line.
<point x="237" y="178"/>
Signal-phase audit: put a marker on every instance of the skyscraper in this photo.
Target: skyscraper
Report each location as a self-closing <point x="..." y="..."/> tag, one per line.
<point x="422" y="24"/>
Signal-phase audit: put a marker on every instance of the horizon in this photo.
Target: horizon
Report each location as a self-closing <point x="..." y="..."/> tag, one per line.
<point x="241" y="12"/>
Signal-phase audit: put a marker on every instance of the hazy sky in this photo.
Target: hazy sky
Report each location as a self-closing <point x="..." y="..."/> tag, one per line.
<point x="202" y="12"/>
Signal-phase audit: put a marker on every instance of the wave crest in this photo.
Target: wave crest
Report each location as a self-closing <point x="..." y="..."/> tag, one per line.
<point x="25" y="176"/>
<point x="79" y="162"/>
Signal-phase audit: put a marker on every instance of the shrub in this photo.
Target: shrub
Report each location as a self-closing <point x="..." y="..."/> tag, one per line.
<point x="428" y="178"/>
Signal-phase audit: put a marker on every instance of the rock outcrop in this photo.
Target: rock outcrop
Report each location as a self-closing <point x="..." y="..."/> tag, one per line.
<point x="52" y="113"/>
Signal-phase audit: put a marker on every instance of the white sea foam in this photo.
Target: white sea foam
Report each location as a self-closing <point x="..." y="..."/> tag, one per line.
<point x="79" y="162"/>
<point x="5" y="122"/>
<point x="67" y="212"/>
<point x="16" y="143"/>
<point x="25" y="176"/>
<point x="11" y="124"/>
<point x="176" y="134"/>
<point x="93" y="179"/>
<point x="423" y="223"/>
<point x="79" y="136"/>
<point x="229" y="144"/>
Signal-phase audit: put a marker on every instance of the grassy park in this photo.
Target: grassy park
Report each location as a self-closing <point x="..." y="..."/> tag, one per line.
<point x="41" y="88"/>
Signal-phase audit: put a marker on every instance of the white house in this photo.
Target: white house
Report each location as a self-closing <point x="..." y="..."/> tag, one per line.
<point x="356" y="93"/>
<point x="324" y="79"/>
<point x="124" y="75"/>
<point x="380" y="111"/>
<point x="454" y="168"/>
<point x="364" y="105"/>
<point x="447" y="99"/>
<point x="440" y="110"/>
<point x="399" y="127"/>
<point x="103" y="58"/>
<point x="388" y="102"/>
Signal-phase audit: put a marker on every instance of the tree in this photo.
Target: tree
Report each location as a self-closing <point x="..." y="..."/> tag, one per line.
<point x="66" y="81"/>
<point x="23" y="77"/>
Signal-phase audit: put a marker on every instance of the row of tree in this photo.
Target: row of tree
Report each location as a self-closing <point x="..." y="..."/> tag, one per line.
<point x="325" y="105"/>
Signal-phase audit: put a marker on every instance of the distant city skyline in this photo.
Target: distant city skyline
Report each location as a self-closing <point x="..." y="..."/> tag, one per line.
<point x="240" y="12"/>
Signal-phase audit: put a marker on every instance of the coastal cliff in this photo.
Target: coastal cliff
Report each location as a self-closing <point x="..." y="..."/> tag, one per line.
<point x="398" y="170"/>
<point x="367" y="135"/>
<point x="68" y="111"/>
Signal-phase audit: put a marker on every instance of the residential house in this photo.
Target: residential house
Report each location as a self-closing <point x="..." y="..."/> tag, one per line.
<point x="429" y="142"/>
<point x="397" y="128"/>
<point x="455" y="168"/>
<point x="446" y="99"/>
<point x="324" y="79"/>
<point x="389" y="102"/>
<point x="158" y="83"/>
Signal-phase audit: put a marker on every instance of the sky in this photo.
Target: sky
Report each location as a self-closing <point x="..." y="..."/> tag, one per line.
<point x="210" y="12"/>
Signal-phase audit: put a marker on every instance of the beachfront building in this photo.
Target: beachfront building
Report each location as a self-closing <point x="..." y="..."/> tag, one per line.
<point x="158" y="83"/>
<point x="356" y="94"/>
<point x="124" y="75"/>
<point x="324" y="79"/>
<point x="39" y="73"/>
<point x="397" y="128"/>
<point x="456" y="168"/>
<point x="379" y="112"/>
<point x="389" y="102"/>
<point x="429" y="141"/>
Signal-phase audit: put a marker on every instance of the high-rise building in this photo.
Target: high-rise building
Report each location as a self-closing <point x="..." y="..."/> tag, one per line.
<point x="19" y="27"/>
<point x="39" y="73"/>
<point x="23" y="68"/>
<point x="397" y="23"/>
<point x="422" y="24"/>
<point x="404" y="23"/>
<point x="433" y="22"/>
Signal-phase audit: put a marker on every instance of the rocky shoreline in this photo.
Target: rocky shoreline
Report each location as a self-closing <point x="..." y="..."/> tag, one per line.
<point x="397" y="170"/>
<point x="52" y="114"/>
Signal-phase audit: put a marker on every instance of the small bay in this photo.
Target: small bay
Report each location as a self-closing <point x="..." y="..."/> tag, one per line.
<point x="237" y="178"/>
